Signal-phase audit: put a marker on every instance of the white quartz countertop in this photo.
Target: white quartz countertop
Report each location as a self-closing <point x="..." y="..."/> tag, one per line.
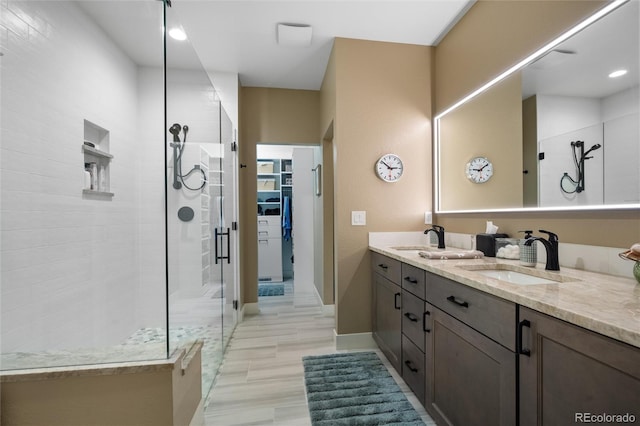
<point x="606" y="304"/>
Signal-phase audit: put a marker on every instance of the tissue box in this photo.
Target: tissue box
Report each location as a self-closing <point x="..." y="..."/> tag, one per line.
<point x="486" y="243"/>
<point x="508" y="248"/>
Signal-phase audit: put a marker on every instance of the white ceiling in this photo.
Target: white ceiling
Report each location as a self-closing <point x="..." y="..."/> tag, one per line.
<point x="240" y="36"/>
<point x="607" y="45"/>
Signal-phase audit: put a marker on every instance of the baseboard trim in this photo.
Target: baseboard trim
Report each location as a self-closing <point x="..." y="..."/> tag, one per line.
<point x="329" y="310"/>
<point x="354" y="341"/>
<point x="248" y="309"/>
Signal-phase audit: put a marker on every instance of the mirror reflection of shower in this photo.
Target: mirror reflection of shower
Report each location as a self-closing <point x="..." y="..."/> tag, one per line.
<point x="178" y="149"/>
<point x="568" y="184"/>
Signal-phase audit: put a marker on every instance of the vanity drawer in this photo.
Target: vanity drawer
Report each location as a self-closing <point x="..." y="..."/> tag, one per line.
<point x="413" y="280"/>
<point x="490" y="315"/>
<point x="413" y="319"/>
<point x="385" y="266"/>
<point x="413" y="368"/>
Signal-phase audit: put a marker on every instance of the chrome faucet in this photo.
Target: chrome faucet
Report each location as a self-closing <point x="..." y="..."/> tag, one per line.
<point x="439" y="230"/>
<point x="551" y="246"/>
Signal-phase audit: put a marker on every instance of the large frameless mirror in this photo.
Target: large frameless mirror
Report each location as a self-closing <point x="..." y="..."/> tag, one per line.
<point x="561" y="128"/>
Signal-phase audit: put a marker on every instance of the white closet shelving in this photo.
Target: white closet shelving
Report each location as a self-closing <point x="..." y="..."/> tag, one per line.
<point x="269" y="190"/>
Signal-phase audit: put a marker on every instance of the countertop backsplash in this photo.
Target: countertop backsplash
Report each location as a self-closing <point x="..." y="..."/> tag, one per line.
<point x="604" y="260"/>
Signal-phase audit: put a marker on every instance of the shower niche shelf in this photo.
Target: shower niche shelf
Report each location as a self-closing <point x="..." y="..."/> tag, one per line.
<point x="97" y="161"/>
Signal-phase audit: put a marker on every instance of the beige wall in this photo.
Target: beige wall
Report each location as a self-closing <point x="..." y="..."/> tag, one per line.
<point x="490" y="37"/>
<point x="155" y="394"/>
<point x="494" y="35"/>
<point x="495" y="118"/>
<point x="327" y="119"/>
<point x="382" y="105"/>
<point x="276" y="116"/>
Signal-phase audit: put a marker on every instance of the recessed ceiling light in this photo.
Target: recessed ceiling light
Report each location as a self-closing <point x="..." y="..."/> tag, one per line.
<point x="618" y="73"/>
<point x="177" y="34"/>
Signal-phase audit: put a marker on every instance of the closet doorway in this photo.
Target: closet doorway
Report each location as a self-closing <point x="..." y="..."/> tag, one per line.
<point x="287" y="223"/>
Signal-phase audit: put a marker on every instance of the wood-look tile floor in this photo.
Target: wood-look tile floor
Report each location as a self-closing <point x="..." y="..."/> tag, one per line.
<point x="261" y="381"/>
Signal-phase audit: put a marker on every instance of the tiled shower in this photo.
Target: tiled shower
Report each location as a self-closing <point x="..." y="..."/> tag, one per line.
<point x="96" y="266"/>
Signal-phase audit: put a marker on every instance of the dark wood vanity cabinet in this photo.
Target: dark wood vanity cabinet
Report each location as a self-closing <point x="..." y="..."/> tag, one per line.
<point x="471" y="378"/>
<point x="387" y="308"/>
<point x="473" y="358"/>
<point x="567" y="373"/>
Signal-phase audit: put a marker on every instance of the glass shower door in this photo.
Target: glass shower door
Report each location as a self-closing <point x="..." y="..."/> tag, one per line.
<point x="223" y="256"/>
<point x="200" y="208"/>
<point x="229" y="210"/>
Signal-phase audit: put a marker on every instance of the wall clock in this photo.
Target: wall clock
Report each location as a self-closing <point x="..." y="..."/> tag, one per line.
<point x="389" y="168"/>
<point x="479" y="170"/>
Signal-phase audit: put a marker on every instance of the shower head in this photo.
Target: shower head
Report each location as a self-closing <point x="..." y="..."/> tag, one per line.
<point x="185" y="129"/>
<point x="175" y="131"/>
<point x="593" y="148"/>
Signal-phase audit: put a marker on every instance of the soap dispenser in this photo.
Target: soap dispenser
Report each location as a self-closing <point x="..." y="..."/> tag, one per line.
<point x="528" y="254"/>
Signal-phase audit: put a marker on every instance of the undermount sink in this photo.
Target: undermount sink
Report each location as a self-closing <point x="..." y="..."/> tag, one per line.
<point x="516" y="277"/>
<point x="517" y="274"/>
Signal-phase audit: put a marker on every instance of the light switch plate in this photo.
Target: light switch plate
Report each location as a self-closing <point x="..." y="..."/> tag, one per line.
<point x="358" y="218"/>
<point x="428" y="218"/>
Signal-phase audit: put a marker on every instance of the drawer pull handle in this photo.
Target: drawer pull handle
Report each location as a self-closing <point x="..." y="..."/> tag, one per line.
<point x="424" y="322"/>
<point x="395" y="301"/>
<point x="411" y="317"/>
<point x="461" y="303"/>
<point x="383" y="266"/>
<point x="411" y="280"/>
<point x="410" y="366"/>
<point x="520" y="349"/>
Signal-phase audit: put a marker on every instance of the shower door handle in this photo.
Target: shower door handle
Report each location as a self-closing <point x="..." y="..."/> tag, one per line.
<point x="222" y="235"/>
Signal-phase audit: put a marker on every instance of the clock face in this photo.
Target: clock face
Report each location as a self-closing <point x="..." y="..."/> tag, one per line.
<point x="389" y="168"/>
<point x="479" y="170"/>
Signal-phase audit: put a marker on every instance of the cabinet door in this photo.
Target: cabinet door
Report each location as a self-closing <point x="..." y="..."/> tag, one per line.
<point x="388" y="319"/>
<point x="567" y="372"/>
<point x="473" y="378"/>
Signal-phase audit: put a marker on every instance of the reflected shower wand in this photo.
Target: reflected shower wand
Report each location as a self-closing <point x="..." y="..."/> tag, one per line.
<point x="579" y="164"/>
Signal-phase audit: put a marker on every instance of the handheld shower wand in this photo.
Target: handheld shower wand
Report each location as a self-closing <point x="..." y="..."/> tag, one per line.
<point x="178" y="148"/>
<point x="185" y="129"/>
<point x="177" y="153"/>
<point x="593" y="148"/>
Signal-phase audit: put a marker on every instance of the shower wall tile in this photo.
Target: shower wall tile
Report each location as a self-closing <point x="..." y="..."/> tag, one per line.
<point x="72" y="271"/>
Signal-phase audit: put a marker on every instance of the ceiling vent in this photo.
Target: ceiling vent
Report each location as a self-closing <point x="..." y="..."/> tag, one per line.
<point x="553" y="58"/>
<point x="294" y="35"/>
